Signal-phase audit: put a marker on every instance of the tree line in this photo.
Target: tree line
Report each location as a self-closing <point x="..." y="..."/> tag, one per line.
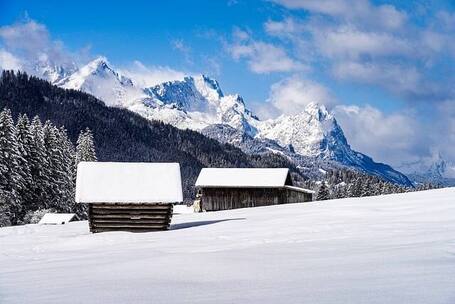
<point x="343" y="183"/>
<point x="38" y="168"/>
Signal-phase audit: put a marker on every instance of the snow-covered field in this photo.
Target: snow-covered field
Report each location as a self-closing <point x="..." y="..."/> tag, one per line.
<point x="388" y="249"/>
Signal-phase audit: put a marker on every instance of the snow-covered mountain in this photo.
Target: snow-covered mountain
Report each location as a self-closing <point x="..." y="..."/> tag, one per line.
<point x="100" y="80"/>
<point x="434" y="169"/>
<point x="198" y="103"/>
<point x="313" y="132"/>
<point x="312" y="137"/>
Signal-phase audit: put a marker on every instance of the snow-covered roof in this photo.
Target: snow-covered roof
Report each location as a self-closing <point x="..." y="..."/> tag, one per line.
<point x="107" y="182"/>
<point x="243" y="177"/>
<point x="56" y="218"/>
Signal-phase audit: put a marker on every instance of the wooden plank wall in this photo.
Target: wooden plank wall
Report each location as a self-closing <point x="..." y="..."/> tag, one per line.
<point x="293" y="196"/>
<point x="131" y="217"/>
<point x="214" y="199"/>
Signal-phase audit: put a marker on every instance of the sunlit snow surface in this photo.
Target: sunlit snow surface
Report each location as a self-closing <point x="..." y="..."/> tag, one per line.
<point x="388" y="249"/>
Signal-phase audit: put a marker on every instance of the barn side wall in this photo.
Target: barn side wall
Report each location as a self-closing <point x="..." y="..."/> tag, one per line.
<point x="294" y="196"/>
<point x="214" y="199"/>
<point x="131" y="217"/>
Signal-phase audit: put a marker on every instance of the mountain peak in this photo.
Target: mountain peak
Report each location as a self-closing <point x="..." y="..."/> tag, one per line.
<point x="99" y="64"/>
<point x="208" y="86"/>
<point x="319" y="111"/>
<point x="213" y="83"/>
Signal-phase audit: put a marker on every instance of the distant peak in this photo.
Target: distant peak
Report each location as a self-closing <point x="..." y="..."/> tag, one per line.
<point x="315" y="106"/>
<point x="99" y="60"/>
<point x="317" y="110"/>
<point x="98" y="64"/>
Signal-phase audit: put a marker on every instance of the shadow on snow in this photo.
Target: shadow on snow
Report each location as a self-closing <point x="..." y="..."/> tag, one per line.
<point x="201" y="223"/>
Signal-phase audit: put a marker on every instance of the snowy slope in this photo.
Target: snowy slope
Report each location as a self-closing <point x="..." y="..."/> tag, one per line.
<point x="388" y="249"/>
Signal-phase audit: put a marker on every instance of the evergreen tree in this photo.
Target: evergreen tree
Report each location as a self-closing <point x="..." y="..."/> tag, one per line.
<point x="355" y="189"/>
<point x="11" y="173"/>
<point x="365" y="189"/>
<point x="340" y="191"/>
<point x="54" y="181"/>
<point x="85" y="149"/>
<point x="323" y="192"/>
<point x="39" y="167"/>
<point x="6" y="212"/>
<point x="67" y="169"/>
<point x="24" y="139"/>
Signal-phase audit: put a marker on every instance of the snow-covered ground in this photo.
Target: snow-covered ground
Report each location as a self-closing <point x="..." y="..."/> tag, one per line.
<point x="388" y="249"/>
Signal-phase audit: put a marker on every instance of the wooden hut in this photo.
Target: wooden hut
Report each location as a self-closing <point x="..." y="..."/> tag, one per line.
<point x="133" y="197"/>
<point x="231" y="188"/>
<point x="57" y="218"/>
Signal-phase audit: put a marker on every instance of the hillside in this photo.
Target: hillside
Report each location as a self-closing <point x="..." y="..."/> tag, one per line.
<point x="387" y="249"/>
<point x="121" y="135"/>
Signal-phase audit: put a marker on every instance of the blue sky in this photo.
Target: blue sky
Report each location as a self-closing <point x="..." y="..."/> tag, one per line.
<point x="147" y="31"/>
<point x="385" y="67"/>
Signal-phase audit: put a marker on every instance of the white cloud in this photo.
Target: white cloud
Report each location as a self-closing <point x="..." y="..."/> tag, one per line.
<point x="347" y="42"/>
<point x="359" y="41"/>
<point x="443" y="129"/>
<point x="291" y="95"/>
<point x="352" y="11"/>
<point x="288" y="27"/>
<point x="334" y="8"/>
<point x="184" y="49"/>
<point x="31" y="42"/>
<point x="149" y="76"/>
<point x="178" y="44"/>
<point x="391" y="138"/>
<point x="264" y="57"/>
<point x="30" y="36"/>
<point x="8" y="61"/>
<point x="405" y="81"/>
<point x="240" y="35"/>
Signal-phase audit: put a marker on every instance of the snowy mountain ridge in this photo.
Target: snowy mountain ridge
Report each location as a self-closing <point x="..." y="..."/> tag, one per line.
<point x="434" y="169"/>
<point x="100" y="80"/>
<point x="198" y="103"/>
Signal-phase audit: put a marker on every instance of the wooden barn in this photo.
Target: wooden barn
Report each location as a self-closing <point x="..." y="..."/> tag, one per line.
<point x="134" y="197"/>
<point x="231" y="188"/>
